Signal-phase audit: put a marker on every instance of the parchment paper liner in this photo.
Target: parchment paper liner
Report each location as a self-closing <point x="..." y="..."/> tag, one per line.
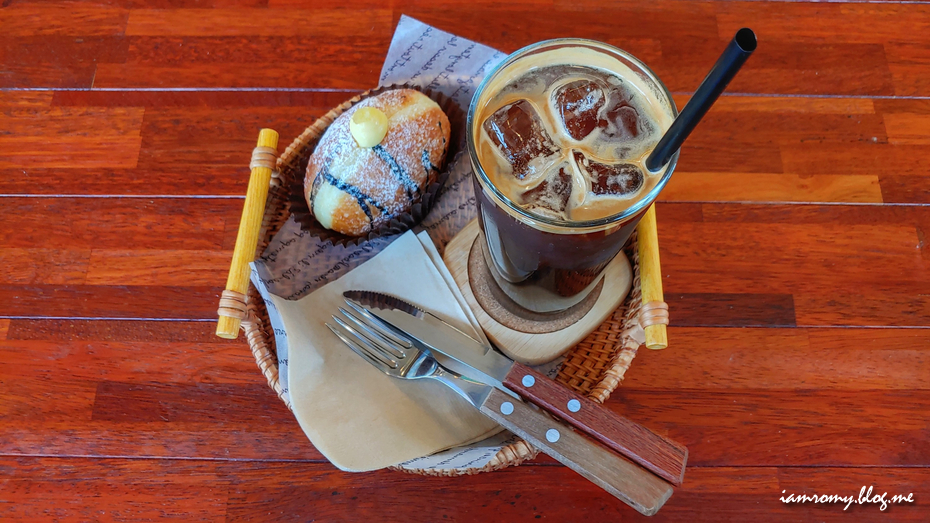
<point x="297" y="203"/>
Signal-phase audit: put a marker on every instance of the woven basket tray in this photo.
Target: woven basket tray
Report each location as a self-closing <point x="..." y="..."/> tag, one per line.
<point x="594" y="367"/>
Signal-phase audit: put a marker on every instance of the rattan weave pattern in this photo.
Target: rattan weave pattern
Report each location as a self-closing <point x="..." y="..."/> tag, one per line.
<point x="594" y="367"/>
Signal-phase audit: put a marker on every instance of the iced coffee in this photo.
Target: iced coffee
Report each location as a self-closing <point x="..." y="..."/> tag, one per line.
<point x="558" y="136"/>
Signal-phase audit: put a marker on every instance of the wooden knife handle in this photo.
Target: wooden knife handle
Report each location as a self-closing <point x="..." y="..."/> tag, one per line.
<point x="660" y="455"/>
<point x="631" y="484"/>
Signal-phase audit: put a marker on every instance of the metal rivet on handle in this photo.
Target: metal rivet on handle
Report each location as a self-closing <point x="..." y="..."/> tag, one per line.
<point x="574" y="405"/>
<point x="552" y="435"/>
<point x="528" y="381"/>
<point x="506" y="408"/>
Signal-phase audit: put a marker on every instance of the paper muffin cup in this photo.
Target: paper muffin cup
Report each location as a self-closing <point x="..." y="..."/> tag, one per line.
<point x="300" y="209"/>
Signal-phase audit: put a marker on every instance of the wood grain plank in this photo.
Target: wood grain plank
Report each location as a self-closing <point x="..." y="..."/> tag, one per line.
<point x="730" y="310"/>
<point x="784" y="428"/>
<point x="809" y="252"/>
<point x="160" y="180"/>
<point x="792" y="65"/>
<point x="908" y="62"/>
<point x="131" y="223"/>
<point x="755" y="141"/>
<point x="855" y="307"/>
<point x="222" y="136"/>
<point x="739" y="427"/>
<point x="163" y="4"/>
<point x="129" y="363"/>
<point x="62" y="50"/>
<point x="65" y="136"/>
<point x="816" y="239"/>
<point x="818" y="255"/>
<point x="891" y="215"/>
<point x="761" y="187"/>
<point x="822" y="255"/>
<point x="312" y="101"/>
<point x="795" y="140"/>
<point x="526" y="24"/>
<point x="808" y="22"/>
<point x="184" y="402"/>
<point x="64" y="18"/>
<point x="754" y="128"/>
<point x="301" y="492"/>
<point x="851" y="157"/>
<point x="904" y="189"/>
<point x="43" y="266"/>
<point x="38" y="490"/>
<point x="908" y="128"/>
<point x="726" y="156"/>
<point x="23" y="99"/>
<point x="788" y="104"/>
<point x="236" y="22"/>
<point x="161" y="439"/>
<point x="523" y="494"/>
<point x="109" y="301"/>
<point x="720" y="427"/>
<point x="340" y="73"/>
<point x="48" y="401"/>
<point x="57" y="61"/>
<point x="180" y="268"/>
<point x="291" y="50"/>
<point x="184" y="332"/>
<point x="780" y="67"/>
<point x="762" y="358"/>
<point x="801" y="63"/>
<point x="329" y="4"/>
<point x="48" y="76"/>
<point x="4" y="329"/>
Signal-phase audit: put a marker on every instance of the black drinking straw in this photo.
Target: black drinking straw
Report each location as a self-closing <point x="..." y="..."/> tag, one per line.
<point x="729" y="63"/>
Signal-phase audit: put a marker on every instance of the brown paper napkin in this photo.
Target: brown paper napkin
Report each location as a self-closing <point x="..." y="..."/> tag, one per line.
<point x="356" y="416"/>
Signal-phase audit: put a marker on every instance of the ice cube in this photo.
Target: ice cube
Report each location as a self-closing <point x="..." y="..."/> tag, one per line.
<point x="578" y="103"/>
<point x="521" y="137"/>
<point x="622" y="123"/>
<point x="619" y="179"/>
<point x="550" y="197"/>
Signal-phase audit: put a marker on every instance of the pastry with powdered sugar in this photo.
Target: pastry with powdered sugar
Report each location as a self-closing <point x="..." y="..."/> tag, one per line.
<point x="376" y="161"/>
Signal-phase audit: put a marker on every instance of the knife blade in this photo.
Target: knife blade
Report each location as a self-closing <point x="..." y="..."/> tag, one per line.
<point x="661" y="456"/>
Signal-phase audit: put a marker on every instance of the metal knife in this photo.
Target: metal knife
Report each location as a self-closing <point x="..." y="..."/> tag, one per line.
<point x="472" y="359"/>
<point x="398" y="357"/>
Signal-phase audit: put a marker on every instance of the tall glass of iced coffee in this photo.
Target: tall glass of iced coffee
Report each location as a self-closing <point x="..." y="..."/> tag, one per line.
<point x="558" y="136"/>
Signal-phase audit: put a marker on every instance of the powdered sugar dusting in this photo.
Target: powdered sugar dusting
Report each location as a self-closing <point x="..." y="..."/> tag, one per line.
<point x="392" y="173"/>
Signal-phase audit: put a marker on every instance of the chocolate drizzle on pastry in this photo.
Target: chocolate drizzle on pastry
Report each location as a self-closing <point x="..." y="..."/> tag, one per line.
<point x="362" y="198"/>
<point x="344" y="183"/>
<point x="397" y="171"/>
<point x="317" y="181"/>
<point x="427" y="164"/>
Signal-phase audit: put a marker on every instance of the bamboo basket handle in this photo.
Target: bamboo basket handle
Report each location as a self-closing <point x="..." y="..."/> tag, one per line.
<point x="654" y="313"/>
<point x="232" y="309"/>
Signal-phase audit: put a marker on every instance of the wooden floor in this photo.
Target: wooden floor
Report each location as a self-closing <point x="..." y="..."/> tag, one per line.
<point x="793" y="238"/>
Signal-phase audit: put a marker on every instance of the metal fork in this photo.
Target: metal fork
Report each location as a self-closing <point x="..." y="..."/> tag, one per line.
<point x="374" y="341"/>
<point x="368" y="337"/>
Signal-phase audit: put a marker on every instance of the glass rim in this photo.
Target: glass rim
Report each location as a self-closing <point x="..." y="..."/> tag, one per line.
<point x="645" y="200"/>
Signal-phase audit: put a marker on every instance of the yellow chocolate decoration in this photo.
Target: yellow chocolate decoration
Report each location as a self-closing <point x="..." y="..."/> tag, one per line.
<point x="368" y="126"/>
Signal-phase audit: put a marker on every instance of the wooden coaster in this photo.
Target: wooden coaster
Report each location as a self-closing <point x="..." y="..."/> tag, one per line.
<point x="509" y="313"/>
<point x="523" y="335"/>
